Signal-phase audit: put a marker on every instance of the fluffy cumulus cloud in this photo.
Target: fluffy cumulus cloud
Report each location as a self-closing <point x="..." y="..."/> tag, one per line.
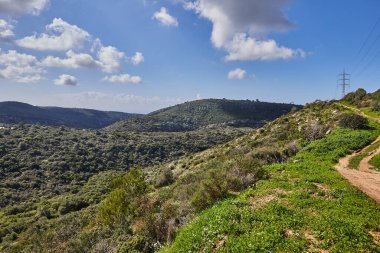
<point x="59" y="36"/>
<point x="66" y="80"/>
<point x="72" y="60"/>
<point x="123" y="78"/>
<point x="165" y="18"/>
<point x="22" y="68"/>
<point x="20" y="7"/>
<point x="6" y="30"/>
<point x="243" y="47"/>
<point x="237" y="74"/>
<point x="239" y="27"/>
<point x="109" y="60"/>
<point x="137" y="58"/>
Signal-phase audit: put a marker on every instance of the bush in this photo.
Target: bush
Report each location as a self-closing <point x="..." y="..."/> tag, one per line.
<point x="375" y="106"/>
<point x="71" y="205"/>
<point x="314" y="132"/>
<point x="291" y="148"/>
<point x="353" y="121"/>
<point x="22" y="146"/>
<point x="355" y="97"/>
<point x="120" y="206"/>
<point x="135" y="245"/>
<point x="246" y="173"/>
<point x="165" y="178"/>
<point x="212" y="190"/>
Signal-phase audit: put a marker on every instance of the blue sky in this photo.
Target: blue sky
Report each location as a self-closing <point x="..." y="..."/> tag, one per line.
<point x="139" y="56"/>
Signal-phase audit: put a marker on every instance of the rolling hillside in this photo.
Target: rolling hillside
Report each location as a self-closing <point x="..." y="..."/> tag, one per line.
<point x="272" y="189"/>
<point x="16" y="112"/>
<point x="202" y="113"/>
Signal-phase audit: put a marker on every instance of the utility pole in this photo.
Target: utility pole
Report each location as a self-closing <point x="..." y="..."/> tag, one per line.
<point x="344" y="81"/>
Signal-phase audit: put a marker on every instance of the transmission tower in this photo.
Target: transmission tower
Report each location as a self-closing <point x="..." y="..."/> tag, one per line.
<point x="344" y="81"/>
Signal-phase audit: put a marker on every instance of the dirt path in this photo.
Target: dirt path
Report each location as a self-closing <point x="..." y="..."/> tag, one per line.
<point x="364" y="178"/>
<point x="361" y="113"/>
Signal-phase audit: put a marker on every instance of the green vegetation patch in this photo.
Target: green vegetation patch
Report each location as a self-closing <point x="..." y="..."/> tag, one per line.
<point x="355" y="160"/>
<point x="375" y="162"/>
<point x="305" y="207"/>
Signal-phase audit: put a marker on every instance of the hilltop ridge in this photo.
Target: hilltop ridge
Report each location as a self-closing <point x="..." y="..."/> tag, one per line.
<point x="207" y="112"/>
<point x="12" y="112"/>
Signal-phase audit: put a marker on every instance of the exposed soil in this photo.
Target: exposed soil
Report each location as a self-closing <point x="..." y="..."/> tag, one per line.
<point x="364" y="178"/>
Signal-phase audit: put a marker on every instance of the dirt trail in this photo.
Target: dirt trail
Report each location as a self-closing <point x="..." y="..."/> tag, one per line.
<point x="364" y="178"/>
<point x="361" y="113"/>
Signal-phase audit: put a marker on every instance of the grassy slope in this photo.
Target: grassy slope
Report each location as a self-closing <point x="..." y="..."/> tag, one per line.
<point x="305" y="206"/>
<point x="355" y="161"/>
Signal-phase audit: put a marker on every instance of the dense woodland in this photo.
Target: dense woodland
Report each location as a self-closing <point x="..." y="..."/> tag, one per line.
<point x="205" y="113"/>
<point x="42" y="162"/>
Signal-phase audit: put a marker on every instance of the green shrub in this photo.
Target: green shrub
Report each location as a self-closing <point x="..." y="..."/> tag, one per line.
<point x="72" y="204"/>
<point x="137" y="244"/>
<point x="164" y="178"/>
<point x="120" y="206"/>
<point x="375" y="162"/>
<point x="353" y="121"/>
<point x="375" y="106"/>
<point x="246" y="173"/>
<point x="213" y="189"/>
<point x="355" y="97"/>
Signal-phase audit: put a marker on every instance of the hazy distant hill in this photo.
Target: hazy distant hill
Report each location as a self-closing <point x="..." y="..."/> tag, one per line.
<point x="201" y="113"/>
<point x="16" y="112"/>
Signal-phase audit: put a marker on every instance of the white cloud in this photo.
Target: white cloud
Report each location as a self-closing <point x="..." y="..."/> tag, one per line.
<point x="109" y="60"/>
<point x="237" y="74"/>
<point x="137" y="58"/>
<point x="6" y="30"/>
<point x="82" y="51"/>
<point x="239" y="27"/>
<point x="59" y="36"/>
<point x="73" y="60"/>
<point x="245" y="48"/>
<point x="20" y="7"/>
<point x="123" y="78"/>
<point x="165" y="18"/>
<point x="22" y="68"/>
<point x="66" y="80"/>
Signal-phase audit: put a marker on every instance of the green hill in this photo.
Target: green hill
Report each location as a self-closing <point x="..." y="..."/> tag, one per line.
<point x="273" y="189"/>
<point x="202" y="113"/>
<point x="16" y="112"/>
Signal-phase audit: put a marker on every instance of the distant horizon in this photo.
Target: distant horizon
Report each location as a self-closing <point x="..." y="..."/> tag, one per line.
<point x="144" y="113"/>
<point x="142" y="55"/>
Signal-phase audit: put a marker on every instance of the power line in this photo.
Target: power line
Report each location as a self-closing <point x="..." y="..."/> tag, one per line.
<point x="377" y="55"/>
<point x="366" y="40"/>
<point x="367" y="53"/>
